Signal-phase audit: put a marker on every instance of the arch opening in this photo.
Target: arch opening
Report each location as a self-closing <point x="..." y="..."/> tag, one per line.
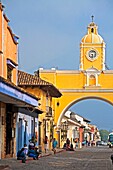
<point x="85" y="99"/>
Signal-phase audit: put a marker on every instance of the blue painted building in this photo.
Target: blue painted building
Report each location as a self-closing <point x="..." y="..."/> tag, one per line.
<point x="18" y="118"/>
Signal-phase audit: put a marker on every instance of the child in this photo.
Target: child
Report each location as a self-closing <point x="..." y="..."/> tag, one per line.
<point x="25" y="149"/>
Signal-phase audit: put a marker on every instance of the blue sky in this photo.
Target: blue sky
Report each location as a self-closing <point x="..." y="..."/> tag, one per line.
<point x="98" y="112"/>
<point x="50" y="32"/>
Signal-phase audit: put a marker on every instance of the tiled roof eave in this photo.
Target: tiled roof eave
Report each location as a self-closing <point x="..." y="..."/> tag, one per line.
<point x="16" y="87"/>
<point x="54" y="92"/>
<point x="28" y="80"/>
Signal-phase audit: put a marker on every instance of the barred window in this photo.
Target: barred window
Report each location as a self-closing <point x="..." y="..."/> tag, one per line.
<point x="9" y="73"/>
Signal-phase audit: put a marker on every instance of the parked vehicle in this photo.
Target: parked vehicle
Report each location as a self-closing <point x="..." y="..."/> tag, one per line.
<point x="110" y="140"/>
<point x="101" y="143"/>
<point x="98" y="143"/>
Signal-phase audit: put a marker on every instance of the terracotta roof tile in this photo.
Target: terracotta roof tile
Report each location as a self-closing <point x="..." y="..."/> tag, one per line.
<point x="26" y="79"/>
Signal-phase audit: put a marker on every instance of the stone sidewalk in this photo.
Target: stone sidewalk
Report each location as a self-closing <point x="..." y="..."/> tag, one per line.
<point x="5" y="163"/>
<point x="50" y="152"/>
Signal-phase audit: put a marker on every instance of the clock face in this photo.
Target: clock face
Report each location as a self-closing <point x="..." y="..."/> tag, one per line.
<point x="92" y="54"/>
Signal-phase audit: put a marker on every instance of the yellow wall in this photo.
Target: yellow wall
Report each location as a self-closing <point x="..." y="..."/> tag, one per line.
<point x="96" y="63"/>
<point x="73" y="91"/>
<point x="73" y="80"/>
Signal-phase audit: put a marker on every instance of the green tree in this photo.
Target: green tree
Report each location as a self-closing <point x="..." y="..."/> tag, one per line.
<point x="104" y="135"/>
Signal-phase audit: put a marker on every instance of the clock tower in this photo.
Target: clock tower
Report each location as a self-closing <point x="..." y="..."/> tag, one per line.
<point x="92" y="50"/>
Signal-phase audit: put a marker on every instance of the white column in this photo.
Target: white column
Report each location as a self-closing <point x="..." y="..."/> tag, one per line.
<point x="96" y="76"/>
<point x="103" y="61"/>
<point x="87" y="80"/>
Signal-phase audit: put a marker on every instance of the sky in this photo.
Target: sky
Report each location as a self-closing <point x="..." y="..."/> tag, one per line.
<point x="50" y="32"/>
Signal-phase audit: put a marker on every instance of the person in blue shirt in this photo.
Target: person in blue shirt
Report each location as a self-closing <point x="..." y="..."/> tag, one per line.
<point x="54" y="145"/>
<point x="33" y="153"/>
<point x="21" y="155"/>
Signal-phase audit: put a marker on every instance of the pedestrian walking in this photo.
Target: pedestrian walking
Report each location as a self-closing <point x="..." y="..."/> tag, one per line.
<point x="54" y="145"/>
<point x="46" y="143"/>
<point x="67" y="144"/>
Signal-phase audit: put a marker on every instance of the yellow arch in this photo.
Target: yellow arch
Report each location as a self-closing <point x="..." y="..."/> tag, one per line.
<point x="92" y="80"/>
<point x="76" y="101"/>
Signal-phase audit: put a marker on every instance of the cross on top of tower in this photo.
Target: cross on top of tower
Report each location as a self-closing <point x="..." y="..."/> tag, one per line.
<point x="92" y="17"/>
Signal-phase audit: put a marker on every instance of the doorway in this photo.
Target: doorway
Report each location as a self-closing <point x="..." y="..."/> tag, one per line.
<point x="9" y="139"/>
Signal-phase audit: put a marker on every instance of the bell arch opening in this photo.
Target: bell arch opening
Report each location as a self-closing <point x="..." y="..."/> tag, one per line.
<point x="92" y="80"/>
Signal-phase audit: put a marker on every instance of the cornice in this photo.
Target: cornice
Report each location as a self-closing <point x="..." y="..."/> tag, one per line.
<point x="60" y="71"/>
<point x="86" y="90"/>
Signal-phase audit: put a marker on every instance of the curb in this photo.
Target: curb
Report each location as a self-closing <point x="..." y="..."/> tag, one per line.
<point x="51" y="153"/>
<point x="5" y="167"/>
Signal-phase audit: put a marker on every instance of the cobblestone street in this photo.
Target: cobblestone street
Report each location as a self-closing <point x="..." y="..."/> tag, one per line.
<point x="90" y="158"/>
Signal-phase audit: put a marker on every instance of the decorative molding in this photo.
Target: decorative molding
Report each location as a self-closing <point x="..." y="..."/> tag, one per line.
<point x="60" y="71"/>
<point x="86" y="90"/>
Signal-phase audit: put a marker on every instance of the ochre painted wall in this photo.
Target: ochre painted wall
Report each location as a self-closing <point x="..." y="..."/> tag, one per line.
<point x="8" y="47"/>
<point x="73" y="89"/>
<point x="10" y="51"/>
<point x="1" y="14"/>
<point x="76" y="79"/>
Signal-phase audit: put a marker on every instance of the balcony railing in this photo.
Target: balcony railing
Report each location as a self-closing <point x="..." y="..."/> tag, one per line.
<point x="48" y="111"/>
